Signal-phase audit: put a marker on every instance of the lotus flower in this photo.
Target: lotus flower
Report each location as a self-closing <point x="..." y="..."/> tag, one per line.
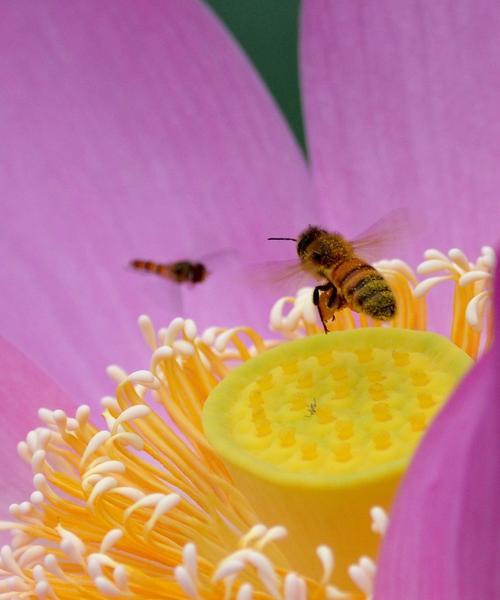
<point x="139" y="130"/>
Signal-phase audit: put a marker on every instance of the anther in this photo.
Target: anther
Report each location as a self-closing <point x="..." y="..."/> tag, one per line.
<point x="305" y="381"/>
<point x="377" y="391"/>
<point x="342" y="391"/>
<point x="324" y="415"/>
<point x="364" y="355"/>
<point x="375" y="376"/>
<point x="255" y="398"/>
<point x="342" y="452"/>
<point x="324" y="358"/>
<point x="266" y="382"/>
<point x="289" y="368"/>
<point x="425" y="400"/>
<point x="339" y="372"/>
<point x="299" y="402"/>
<point x="309" y="451"/>
<point x="344" y="429"/>
<point x="382" y="440"/>
<point x="287" y="438"/>
<point x="418" y="421"/>
<point x="419" y="377"/>
<point x="401" y="359"/>
<point x="263" y="428"/>
<point x="381" y="411"/>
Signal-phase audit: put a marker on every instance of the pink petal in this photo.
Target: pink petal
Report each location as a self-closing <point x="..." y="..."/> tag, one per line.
<point x="444" y="536"/>
<point x="24" y="389"/>
<point x="402" y="107"/>
<point x="129" y="130"/>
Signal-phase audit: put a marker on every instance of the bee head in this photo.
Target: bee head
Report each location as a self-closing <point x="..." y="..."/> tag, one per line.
<point x="307" y="237"/>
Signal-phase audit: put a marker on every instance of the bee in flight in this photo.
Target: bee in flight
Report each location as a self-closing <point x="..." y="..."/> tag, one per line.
<point x="182" y="271"/>
<point x="349" y="280"/>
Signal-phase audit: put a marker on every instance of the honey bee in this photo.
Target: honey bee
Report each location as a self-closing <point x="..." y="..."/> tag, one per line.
<point x="350" y="281"/>
<point x="182" y="271"/>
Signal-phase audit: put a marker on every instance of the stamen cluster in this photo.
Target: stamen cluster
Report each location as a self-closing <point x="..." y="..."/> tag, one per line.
<point x="141" y="506"/>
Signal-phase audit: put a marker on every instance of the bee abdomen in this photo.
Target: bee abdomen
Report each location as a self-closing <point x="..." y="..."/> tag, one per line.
<point x="375" y="298"/>
<point x="368" y="292"/>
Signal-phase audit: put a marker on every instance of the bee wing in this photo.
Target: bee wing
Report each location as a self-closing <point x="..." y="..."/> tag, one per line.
<point x="283" y="277"/>
<point x="385" y="237"/>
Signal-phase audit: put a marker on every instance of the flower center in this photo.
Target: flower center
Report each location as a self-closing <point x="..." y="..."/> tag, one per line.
<point x="325" y="426"/>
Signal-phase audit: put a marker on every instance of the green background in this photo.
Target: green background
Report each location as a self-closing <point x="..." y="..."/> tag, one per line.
<point x="267" y="30"/>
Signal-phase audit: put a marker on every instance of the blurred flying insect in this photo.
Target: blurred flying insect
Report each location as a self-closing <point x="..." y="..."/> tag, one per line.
<point x="349" y="281"/>
<point x="182" y="271"/>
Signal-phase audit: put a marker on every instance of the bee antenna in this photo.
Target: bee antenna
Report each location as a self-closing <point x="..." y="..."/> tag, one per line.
<point x="282" y="238"/>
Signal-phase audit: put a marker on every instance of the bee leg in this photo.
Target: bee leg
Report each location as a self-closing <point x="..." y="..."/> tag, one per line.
<point x="316" y="294"/>
<point x="334" y="299"/>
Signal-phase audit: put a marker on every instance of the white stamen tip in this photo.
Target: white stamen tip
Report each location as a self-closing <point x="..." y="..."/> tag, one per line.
<point x="185" y="582"/>
<point x="183" y="347"/>
<point x="190" y="329"/>
<point x="325" y="555"/>
<point x="148" y="332"/>
<point x="145" y="378"/>
<point x="245" y="592"/>
<point x="116" y="373"/>
<point x="380" y="520"/>
<point x="295" y="587"/>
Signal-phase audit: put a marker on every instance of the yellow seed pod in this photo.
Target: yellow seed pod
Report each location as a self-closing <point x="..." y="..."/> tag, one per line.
<point x="338" y="418"/>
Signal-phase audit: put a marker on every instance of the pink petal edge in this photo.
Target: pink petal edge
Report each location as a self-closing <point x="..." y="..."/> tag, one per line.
<point x="129" y="130"/>
<point x="402" y="107"/>
<point x="25" y="389"/>
<point x="444" y="536"/>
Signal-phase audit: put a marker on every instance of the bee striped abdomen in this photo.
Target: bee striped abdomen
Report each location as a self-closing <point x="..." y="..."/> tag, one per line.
<point x="365" y="289"/>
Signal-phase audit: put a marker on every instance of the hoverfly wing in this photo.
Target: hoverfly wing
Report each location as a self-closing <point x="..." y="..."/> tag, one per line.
<point x="220" y="260"/>
<point x="283" y="277"/>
